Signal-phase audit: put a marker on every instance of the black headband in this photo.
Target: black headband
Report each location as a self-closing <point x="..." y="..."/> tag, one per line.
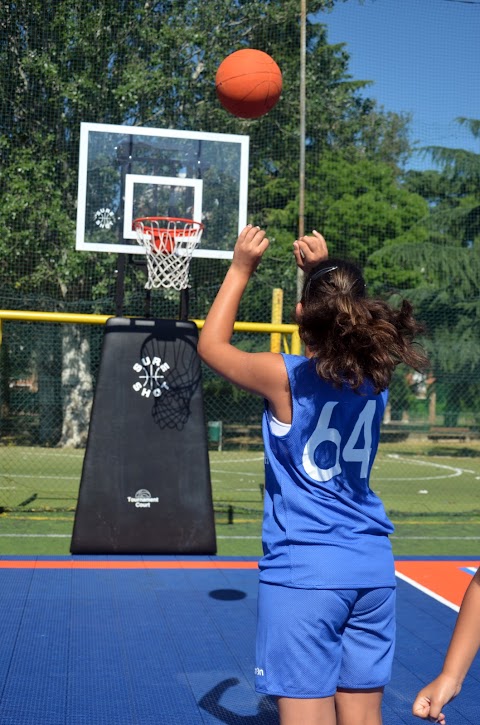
<point x="316" y="275"/>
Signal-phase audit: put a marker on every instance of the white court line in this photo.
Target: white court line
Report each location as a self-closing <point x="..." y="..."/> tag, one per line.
<point x="36" y="536"/>
<point x="237" y="473"/>
<point x="454" y="471"/>
<point x="423" y="589"/>
<point x="423" y="538"/>
<point x="242" y="460"/>
<point x="32" y="475"/>
<point x="436" y="538"/>
<point x="68" y="536"/>
<point x="36" y="452"/>
<point x="418" y="462"/>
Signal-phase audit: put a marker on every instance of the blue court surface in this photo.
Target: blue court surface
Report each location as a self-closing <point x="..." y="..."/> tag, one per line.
<point x="170" y="640"/>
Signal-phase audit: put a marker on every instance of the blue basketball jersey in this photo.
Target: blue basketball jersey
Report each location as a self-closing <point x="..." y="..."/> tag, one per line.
<point x="323" y="526"/>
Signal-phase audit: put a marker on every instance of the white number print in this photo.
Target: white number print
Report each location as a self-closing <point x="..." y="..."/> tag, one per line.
<point x="349" y="452"/>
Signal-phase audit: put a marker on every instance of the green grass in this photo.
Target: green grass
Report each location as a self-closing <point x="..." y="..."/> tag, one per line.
<point x="432" y="499"/>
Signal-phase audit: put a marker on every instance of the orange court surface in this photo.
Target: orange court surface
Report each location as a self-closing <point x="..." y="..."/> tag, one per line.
<point x="446" y="580"/>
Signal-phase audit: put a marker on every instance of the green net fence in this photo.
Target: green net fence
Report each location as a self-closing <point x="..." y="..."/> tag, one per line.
<point x="414" y="227"/>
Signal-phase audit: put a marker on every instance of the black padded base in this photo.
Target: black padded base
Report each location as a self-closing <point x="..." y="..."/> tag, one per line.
<point x="145" y="486"/>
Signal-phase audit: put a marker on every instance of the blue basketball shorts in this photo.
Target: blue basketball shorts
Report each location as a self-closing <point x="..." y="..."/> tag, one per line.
<point x="312" y="641"/>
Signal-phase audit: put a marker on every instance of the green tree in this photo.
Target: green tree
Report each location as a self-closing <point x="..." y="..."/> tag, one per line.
<point x="361" y="207"/>
<point x="446" y="267"/>
<point x="154" y="64"/>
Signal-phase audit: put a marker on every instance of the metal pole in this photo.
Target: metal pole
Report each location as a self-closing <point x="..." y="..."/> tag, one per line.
<point x="277" y="317"/>
<point x="301" y="190"/>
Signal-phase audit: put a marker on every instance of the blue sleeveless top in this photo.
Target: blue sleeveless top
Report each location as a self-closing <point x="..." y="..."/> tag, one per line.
<point x="323" y="527"/>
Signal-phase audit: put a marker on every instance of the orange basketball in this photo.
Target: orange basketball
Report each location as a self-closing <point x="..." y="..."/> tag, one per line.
<point x="248" y="83"/>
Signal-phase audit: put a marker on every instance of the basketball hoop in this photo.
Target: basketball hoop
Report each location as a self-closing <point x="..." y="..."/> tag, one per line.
<point x="169" y="243"/>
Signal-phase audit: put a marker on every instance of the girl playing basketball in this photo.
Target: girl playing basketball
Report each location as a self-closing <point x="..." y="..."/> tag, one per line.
<point x="326" y="613"/>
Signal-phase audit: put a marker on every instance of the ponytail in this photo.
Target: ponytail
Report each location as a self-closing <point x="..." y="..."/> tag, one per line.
<point x="351" y="337"/>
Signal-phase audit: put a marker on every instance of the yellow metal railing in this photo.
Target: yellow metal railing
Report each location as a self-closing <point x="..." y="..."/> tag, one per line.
<point x="84" y="319"/>
<point x="277" y="316"/>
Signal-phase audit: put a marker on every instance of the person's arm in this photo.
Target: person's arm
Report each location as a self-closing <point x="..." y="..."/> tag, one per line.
<point x="309" y="250"/>
<point x="260" y="373"/>
<point x="463" y="647"/>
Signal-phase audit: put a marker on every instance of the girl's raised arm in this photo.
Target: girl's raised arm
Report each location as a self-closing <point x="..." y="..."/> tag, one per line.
<point x="260" y="373"/>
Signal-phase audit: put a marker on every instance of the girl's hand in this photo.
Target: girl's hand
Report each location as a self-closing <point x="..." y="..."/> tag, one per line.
<point x="431" y="699"/>
<point x="310" y="250"/>
<point x="422" y="709"/>
<point x="249" y="249"/>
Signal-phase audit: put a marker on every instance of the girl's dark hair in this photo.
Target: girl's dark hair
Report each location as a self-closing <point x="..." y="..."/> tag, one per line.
<point x="351" y="337"/>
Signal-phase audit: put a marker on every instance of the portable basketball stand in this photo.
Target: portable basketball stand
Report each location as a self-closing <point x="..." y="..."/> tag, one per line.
<point x="145" y="485"/>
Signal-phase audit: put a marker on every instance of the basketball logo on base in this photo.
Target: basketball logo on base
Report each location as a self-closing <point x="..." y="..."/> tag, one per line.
<point x="152" y="379"/>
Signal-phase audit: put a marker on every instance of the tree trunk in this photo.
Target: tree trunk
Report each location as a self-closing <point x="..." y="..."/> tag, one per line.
<point x="77" y="387"/>
<point x="47" y="355"/>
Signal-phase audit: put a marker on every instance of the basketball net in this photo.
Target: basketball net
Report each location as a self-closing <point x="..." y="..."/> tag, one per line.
<point x="169" y="244"/>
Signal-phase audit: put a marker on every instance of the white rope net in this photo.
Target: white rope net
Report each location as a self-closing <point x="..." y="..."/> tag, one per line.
<point x="169" y="244"/>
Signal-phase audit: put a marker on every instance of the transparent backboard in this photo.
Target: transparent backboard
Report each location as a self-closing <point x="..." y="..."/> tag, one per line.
<point x="126" y="172"/>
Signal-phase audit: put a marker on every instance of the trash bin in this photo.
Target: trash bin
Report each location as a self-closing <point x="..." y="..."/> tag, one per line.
<point x="215" y="433"/>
